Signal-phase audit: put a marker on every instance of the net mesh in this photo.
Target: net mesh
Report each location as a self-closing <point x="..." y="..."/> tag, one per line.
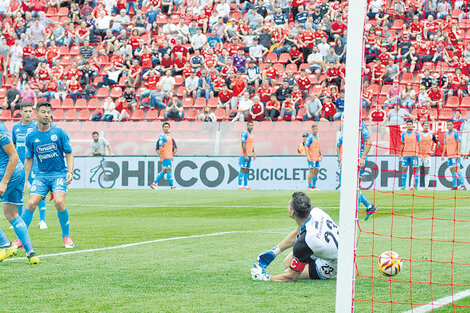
<point x="428" y="59"/>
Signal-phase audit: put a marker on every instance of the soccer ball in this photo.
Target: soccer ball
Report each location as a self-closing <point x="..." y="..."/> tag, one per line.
<point x="389" y="263"/>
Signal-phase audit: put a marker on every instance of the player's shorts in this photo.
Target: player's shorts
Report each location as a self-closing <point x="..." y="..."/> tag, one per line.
<point x="409" y="161"/>
<point x="243" y="163"/>
<point x="166" y="164"/>
<point x="313" y="164"/>
<point x="453" y="162"/>
<point x="426" y="162"/>
<point x="32" y="175"/>
<point x="14" y="192"/>
<point x="322" y="269"/>
<point x="43" y="184"/>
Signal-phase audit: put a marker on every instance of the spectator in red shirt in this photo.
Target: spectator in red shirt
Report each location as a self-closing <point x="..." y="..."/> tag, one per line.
<point x="288" y="108"/>
<point x="328" y="109"/>
<point x="424" y="114"/>
<point x="75" y="89"/>
<point x="273" y="107"/>
<point x="238" y="86"/>
<point x="435" y="96"/>
<point x="225" y="98"/>
<point x="134" y="74"/>
<point x="256" y="110"/>
<point x="295" y="56"/>
<point x="377" y="114"/>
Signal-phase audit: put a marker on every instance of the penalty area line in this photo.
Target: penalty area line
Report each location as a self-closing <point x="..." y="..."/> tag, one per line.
<point x="431" y="306"/>
<point x="127" y="245"/>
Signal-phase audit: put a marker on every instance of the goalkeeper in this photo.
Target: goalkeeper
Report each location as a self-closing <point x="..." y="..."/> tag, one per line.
<point x="314" y="242"/>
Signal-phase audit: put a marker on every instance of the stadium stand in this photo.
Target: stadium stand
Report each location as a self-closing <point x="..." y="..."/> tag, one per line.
<point x="79" y="57"/>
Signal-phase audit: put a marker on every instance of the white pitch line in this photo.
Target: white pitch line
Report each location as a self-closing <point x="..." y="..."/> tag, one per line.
<point x="440" y="302"/>
<point x="146" y="242"/>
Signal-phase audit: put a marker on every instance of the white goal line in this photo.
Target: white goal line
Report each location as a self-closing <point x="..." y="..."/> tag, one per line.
<point x="149" y="242"/>
<point x="431" y="306"/>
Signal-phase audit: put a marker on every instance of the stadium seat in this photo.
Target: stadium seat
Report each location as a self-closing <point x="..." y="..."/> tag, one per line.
<point x="71" y="115"/>
<point x="398" y="24"/>
<point x="179" y="91"/>
<point x="97" y="111"/>
<point x="52" y="11"/>
<point x="64" y="50"/>
<point x="192" y="114"/>
<point x="80" y="104"/>
<point x="300" y="114"/>
<point x="9" y="81"/>
<point x="84" y="115"/>
<point x="291" y="67"/>
<point x="279" y="67"/>
<point x="304" y="66"/>
<point x="102" y="92"/>
<point x="187" y="102"/>
<point x="445" y="114"/>
<point x="56" y="103"/>
<point x="58" y="115"/>
<point x="116" y="92"/>
<point x="122" y="82"/>
<point x="179" y="80"/>
<point x="200" y="103"/>
<point x="284" y="57"/>
<point x="74" y="50"/>
<point x="213" y="102"/>
<point x="465" y="102"/>
<point x="406" y="78"/>
<point x="5" y="115"/>
<point x="452" y="102"/>
<point x="66" y="60"/>
<point x="67" y="103"/>
<point x="161" y="19"/>
<point x="93" y="103"/>
<point x="63" y="12"/>
<point x="151" y="115"/>
<point x="3" y="92"/>
<point x="219" y="114"/>
<point x="272" y="56"/>
<point x="138" y="115"/>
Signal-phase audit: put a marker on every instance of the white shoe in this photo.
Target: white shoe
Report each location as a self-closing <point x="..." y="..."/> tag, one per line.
<point x="42" y="225"/>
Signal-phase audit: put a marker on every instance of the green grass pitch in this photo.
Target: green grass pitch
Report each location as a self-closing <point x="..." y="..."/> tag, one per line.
<point x="212" y="274"/>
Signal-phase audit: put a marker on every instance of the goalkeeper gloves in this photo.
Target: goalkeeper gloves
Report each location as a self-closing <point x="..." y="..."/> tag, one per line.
<point x="258" y="273"/>
<point x="266" y="257"/>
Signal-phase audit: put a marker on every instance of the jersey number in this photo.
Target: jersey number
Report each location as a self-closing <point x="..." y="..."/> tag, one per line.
<point x="329" y="235"/>
<point x="59" y="182"/>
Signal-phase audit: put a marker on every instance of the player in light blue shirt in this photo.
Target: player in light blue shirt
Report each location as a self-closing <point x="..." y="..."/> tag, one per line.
<point x="48" y="144"/>
<point x="18" y="136"/>
<point x="366" y="144"/>
<point x="12" y="181"/>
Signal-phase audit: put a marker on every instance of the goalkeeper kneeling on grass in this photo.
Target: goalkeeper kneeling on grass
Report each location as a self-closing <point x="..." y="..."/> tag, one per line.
<point x="315" y="245"/>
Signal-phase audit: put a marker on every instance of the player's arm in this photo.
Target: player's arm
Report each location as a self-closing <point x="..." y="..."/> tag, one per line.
<point x="254" y="154"/>
<point x="266" y="257"/>
<point x="69" y="159"/>
<point x="9" y="149"/>
<point x="438" y="144"/>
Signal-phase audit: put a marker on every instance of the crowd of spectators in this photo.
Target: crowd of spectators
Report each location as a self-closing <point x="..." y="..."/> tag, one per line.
<point x="252" y="60"/>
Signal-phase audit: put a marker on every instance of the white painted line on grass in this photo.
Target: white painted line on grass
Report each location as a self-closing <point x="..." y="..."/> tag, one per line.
<point x="440" y="302"/>
<point x="146" y="242"/>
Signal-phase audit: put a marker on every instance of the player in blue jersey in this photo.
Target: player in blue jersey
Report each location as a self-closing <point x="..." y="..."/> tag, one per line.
<point x="18" y="135"/>
<point x="166" y="148"/>
<point x="11" y="195"/>
<point x="366" y="144"/>
<point x="247" y="155"/>
<point x="48" y="144"/>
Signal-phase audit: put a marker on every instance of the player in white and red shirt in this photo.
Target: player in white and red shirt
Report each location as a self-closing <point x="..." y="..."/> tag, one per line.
<point x="429" y="146"/>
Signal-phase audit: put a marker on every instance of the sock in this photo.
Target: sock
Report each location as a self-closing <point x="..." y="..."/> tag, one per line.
<point x="64" y="222"/>
<point x="20" y="210"/>
<point x="426" y="181"/>
<point x="362" y="199"/>
<point x="42" y="210"/>
<point x="403" y="180"/>
<point x="27" y="217"/>
<point x="159" y="176"/>
<point x="240" y="178"/>
<point x="454" y="180"/>
<point x="339" y="179"/>
<point x="314" y="181"/>
<point x="416" y="179"/>
<point x="460" y="178"/>
<point x="245" y="179"/>
<point x="3" y="239"/>
<point x="169" y="178"/>
<point x="310" y="184"/>
<point x="21" y="230"/>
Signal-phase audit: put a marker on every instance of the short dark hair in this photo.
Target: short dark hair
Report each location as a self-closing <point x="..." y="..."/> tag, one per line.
<point x="95" y="133"/>
<point x="301" y="204"/>
<point x="43" y="104"/>
<point x="25" y="104"/>
<point x="450" y="121"/>
<point x="165" y="123"/>
<point x="409" y="121"/>
<point x="250" y="122"/>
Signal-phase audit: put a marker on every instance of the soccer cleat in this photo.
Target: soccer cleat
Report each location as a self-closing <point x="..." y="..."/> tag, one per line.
<point x="314" y="188"/>
<point x="42" y="225"/>
<point x="411" y="188"/>
<point x="7" y="252"/>
<point x="462" y="187"/>
<point x="33" y="258"/>
<point x="174" y="188"/>
<point x="153" y="186"/>
<point x="426" y="189"/>
<point x="68" y="242"/>
<point x="402" y="188"/>
<point x="241" y="188"/>
<point x="17" y="243"/>
<point x="247" y="188"/>
<point x="371" y="210"/>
